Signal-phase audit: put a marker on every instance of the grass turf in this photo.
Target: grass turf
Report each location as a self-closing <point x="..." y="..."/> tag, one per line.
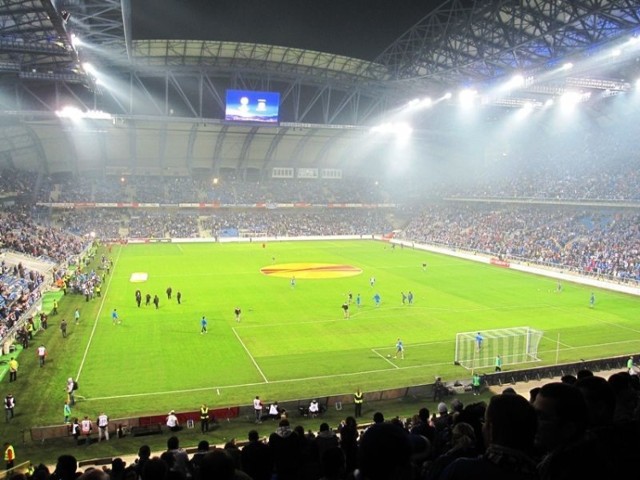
<point x="293" y="342"/>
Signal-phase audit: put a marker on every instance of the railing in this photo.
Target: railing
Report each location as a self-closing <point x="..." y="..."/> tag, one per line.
<point x="20" y="468"/>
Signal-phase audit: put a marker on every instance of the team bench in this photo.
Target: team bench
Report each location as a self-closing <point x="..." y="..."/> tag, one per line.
<point x="150" y="429"/>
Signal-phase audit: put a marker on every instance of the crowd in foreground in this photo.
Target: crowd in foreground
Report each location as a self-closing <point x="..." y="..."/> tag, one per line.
<point x="584" y="426"/>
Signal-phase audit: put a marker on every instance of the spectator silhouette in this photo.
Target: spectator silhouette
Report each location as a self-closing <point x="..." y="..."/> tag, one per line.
<point x="349" y="442"/>
<point x="66" y="468"/>
<point x="561" y="439"/>
<point x="94" y="474"/>
<point x="286" y="449"/>
<point x="442" y="423"/>
<point x="463" y="445"/>
<point x="155" y="469"/>
<point x="325" y="439"/>
<point x="194" y="462"/>
<point x="218" y="465"/>
<point x="384" y="453"/>
<point x="569" y="379"/>
<point x="509" y="430"/>
<point x="256" y="458"/>
<point x="626" y="395"/>
<point x="583" y="373"/>
<point x="180" y="457"/>
<point x="332" y="464"/>
<point x="144" y="453"/>
<point x="423" y="427"/>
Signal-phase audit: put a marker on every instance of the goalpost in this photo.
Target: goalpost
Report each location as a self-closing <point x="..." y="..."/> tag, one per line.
<point x="514" y="345"/>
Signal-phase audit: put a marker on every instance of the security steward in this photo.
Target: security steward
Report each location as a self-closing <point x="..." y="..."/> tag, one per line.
<point x="358" y="399"/>
<point x="204" y="418"/>
<point x="9" y="455"/>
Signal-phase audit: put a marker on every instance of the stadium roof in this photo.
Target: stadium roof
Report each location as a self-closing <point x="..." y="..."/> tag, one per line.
<point x="338" y="69"/>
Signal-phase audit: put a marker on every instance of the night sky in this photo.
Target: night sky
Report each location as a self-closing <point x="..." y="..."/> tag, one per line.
<point x="355" y="28"/>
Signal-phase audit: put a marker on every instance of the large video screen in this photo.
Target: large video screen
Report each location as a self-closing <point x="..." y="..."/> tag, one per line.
<point x="252" y="106"/>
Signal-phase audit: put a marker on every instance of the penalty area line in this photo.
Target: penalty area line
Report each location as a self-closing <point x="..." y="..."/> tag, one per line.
<point x="384" y="358"/>
<point x="253" y="360"/>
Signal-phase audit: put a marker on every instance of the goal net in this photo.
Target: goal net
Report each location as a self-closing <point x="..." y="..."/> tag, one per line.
<point x="514" y="345"/>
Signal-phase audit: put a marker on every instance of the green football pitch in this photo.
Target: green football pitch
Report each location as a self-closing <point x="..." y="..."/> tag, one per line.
<point x="294" y="342"/>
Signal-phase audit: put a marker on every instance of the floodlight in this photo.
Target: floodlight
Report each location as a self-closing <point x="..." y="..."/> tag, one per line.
<point x="402" y="129"/>
<point x="466" y="96"/>
<point x="570" y="98"/>
<point x="87" y="67"/>
<point x="516" y="81"/>
<point x="69" y="112"/>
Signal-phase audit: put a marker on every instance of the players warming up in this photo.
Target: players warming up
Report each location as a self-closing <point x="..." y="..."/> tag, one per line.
<point x="345" y="309"/>
<point x="292" y="282"/>
<point x="115" y="319"/>
<point x="404" y="297"/>
<point x="203" y="325"/>
<point x="399" y="349"/>
<point x="237" y="312"/>
<point x="377" y="299"/>
<point x="592" y="300"/>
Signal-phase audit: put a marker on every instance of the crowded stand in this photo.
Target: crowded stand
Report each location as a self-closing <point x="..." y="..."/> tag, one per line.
<point x="274" y="223"/>
<point x="603" y="243"/>
<point x="20" y="232"/>
<point x="100" y="223"/>
<point x="19" y="290"/>
<point x="176" y="190"/>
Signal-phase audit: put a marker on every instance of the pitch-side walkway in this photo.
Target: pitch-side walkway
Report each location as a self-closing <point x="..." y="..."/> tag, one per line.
<point x="522" y="388"/>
